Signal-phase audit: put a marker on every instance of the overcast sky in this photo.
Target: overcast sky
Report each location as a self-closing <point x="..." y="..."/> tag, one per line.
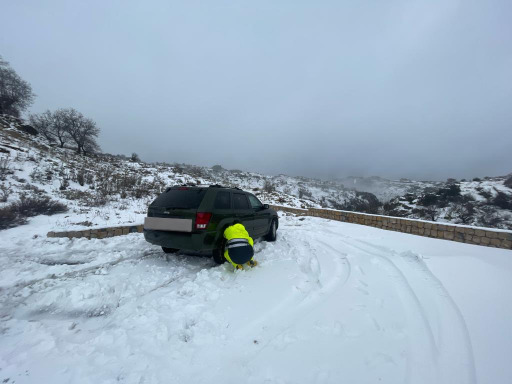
<point x="412" y="88"/>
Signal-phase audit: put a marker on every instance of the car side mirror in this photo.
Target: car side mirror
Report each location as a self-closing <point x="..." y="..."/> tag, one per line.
<point x="265" y="206"/>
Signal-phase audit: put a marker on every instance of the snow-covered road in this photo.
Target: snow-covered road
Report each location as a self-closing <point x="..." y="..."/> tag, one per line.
<point x="330" y="302"/>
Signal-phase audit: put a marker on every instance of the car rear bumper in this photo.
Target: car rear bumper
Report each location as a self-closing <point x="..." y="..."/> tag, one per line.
<point x="182" y="240"/>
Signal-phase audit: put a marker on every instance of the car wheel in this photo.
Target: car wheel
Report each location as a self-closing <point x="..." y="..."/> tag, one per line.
<point x="170" y="250"/>
<point x="272" y="233"/>
<point x="218" y="256"/>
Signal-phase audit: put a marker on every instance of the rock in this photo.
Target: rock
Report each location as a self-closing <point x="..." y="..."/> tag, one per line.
<point x="28" y="129"/>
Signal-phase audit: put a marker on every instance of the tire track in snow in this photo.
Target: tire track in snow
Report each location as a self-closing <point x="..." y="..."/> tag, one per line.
<point x="448" y="337"/>
<point x="281" y="319"/>
<point x="179" y="269"/>
<point x="74" y="273"/>
<point x="449" y="325"/>
<point x="11" y="297"/>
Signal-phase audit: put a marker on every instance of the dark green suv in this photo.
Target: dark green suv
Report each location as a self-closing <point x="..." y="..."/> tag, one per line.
<point x="194" y="218"/>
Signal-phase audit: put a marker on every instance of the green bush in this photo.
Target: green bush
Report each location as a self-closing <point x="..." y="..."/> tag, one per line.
<point x="503" y="200"/>
<point x="428" y="199"/>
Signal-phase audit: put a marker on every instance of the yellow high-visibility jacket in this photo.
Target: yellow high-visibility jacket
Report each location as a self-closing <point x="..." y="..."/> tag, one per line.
<point x="236" y="231"/>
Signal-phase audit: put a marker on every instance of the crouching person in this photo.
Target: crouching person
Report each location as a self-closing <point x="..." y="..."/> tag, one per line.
<point x="239" y="246"/>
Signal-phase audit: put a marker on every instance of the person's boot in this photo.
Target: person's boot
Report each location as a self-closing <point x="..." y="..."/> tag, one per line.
<point x="238" y="266"/>
<point x="252" y="263"/>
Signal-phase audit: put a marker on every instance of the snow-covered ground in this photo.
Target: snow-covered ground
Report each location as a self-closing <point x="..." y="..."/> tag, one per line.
<point x="330" y="302"/>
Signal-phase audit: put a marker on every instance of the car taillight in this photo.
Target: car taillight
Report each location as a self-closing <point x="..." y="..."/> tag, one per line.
<point x="202" y="219"/>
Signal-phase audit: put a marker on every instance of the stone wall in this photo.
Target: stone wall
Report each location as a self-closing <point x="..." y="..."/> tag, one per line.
<point x="99" y="233"/>
<point x="477" y="236"/>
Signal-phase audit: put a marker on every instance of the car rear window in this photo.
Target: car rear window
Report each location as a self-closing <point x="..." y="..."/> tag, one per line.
<point x="223" y="200"/>
<point x="180" y="198"/>
<point x="240" y="201"/>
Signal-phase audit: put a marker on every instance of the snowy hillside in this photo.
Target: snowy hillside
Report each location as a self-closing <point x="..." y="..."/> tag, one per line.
<point x="104" y="189"/>
<point x="386" y="189"/>
<point x="329" y="302"/>
<point x="483" y="203"/>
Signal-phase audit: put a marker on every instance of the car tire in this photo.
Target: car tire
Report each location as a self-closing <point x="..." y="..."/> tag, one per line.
<point x="272" y="232"/>
<point x="170" y="250"/>
<point x="218" y="256"/>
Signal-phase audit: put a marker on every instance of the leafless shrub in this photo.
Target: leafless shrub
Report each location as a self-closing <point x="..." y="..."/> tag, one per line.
<point x="465" y="212"/>
<point x="5" y="168"/>
<point x="80" y="177"/>
<point x="33" y="188"/>
<point x="89" y="178"/>
<point x="268" y="186"/>
<point x="142" y="190"/>
<point x="432" y="212"/>
<point x="19" y="179"/>
<point x="9" y="217"/>
<point x="85" y="198"/>
<point x="97" y="200"/>
<point x="17" y="213"/>
<point x="196" y="172"/>
<point x="75" y="194"/>
<point x="85" y="223"/>
<point x="4" y="193"/>
<point x="33" y="206"/>
<point x="64" y="184"/>
<point x="177" y="168"/>
<point x="490" y="218"/>
<point x="304" y="192"/>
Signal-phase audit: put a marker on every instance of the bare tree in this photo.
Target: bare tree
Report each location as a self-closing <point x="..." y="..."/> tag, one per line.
<point x="83" y="131"/>
<point x="44" y="123"/>
<point x="60" y="128"/>
<point x="85" y="135"/>
<point x="90" y="146"/>
<point x="67" y="124"/>
<point x="15" y="93"/>
<point x="52" y="125"/>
